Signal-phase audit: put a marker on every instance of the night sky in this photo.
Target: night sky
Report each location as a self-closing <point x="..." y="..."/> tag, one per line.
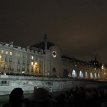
<point x="77" y="27"/>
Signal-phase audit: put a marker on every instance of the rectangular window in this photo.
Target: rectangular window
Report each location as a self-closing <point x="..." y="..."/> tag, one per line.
<point x="3" y="82"/>
<point x="32" y="57"/>
<point x="10" y="53"/>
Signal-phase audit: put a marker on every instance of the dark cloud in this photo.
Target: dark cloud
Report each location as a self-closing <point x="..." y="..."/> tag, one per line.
<point x="77" y="27"/>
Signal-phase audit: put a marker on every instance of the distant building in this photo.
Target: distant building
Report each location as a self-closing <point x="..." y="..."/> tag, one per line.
<point x="45" y="59"/>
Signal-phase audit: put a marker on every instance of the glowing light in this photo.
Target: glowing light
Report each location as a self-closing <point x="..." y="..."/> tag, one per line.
<point x="4" y="73"/>
<point x="32" y="57"/>
<point x="95" y="75"/>
<point x="81" y="74"/>
<point x="36" y="63"/>
<point x="102" y="67"/>
<point x="0" y="56"/>
<point x="104" y="73"/>
<point x="54" y="54"/>
<point x="31" y="63"/>
<point x="10" y="53"/>
<point x="23" y="72"/>
<point x="98" y="75"/>
<point x="74" y="73"/>
<point x="86" y="74"/>
<point x="91" y="75"/>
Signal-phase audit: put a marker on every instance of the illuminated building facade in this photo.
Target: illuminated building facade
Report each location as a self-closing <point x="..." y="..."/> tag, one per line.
<point x="45" y="59"/>
<point x="19" y="60"/>
<point x="82" y="69"/>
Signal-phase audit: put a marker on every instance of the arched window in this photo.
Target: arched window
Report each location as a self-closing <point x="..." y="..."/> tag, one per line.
<point x="80" y="74"/>
<point x="98" y="75"/>
<point x="86" y="75"/>
<point x="91" y="75"/>
<point x="95" y="75"/>
<point x="74" y="74"/>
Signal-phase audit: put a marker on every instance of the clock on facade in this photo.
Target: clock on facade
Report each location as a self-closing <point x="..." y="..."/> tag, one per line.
<point x="54" y="54"/>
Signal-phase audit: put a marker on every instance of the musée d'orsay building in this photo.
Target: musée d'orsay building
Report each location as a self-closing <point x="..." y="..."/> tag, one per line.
<point x="45" y="59"/>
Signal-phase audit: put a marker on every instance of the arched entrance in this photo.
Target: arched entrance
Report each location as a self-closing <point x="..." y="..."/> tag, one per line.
<point x="91" y="75"/>
<point x="74" y="74"/>
<point x="80" y="74"/>
<point x="86" y="75"/>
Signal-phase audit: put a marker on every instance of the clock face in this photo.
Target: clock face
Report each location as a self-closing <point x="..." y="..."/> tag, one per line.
<point x="54" y="54"/>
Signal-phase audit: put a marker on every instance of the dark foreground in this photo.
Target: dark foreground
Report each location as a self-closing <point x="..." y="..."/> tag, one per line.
<point x="76" y="97"/>
<point x="4" y="98"/>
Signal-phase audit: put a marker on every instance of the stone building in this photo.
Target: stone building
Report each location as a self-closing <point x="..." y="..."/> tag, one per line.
<point x="82" y="69"/>
<point x="45" y="59"/>
<point x="15" y="59"/>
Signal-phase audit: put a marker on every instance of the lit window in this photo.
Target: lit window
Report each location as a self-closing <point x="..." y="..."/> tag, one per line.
<point x="74" y="73"/>
<point x="81" y="74"/>
<point x="6" y="52"/>
<point x="23" y="72"/>
<point x="91" y="75"/>
<point x="10" y="53"/>
<point x="32" y="57"/>
<point x="95" y="75"/>
<point x="98" y="75"/>
<point x="0" y="56"/>
<point x="104" y="73"/>
<point x="102" y="67"/>
<point x="31" y="63"/>
<point x="36" y="63"/>
<point x="86" y="74"/>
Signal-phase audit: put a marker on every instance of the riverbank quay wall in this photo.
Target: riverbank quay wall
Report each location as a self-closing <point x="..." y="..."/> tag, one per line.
<point x="28" y="83"/>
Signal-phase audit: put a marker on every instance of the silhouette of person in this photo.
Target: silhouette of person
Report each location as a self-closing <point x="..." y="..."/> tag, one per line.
<point x="40" y="98"/>
<point x="15" y="98"/>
